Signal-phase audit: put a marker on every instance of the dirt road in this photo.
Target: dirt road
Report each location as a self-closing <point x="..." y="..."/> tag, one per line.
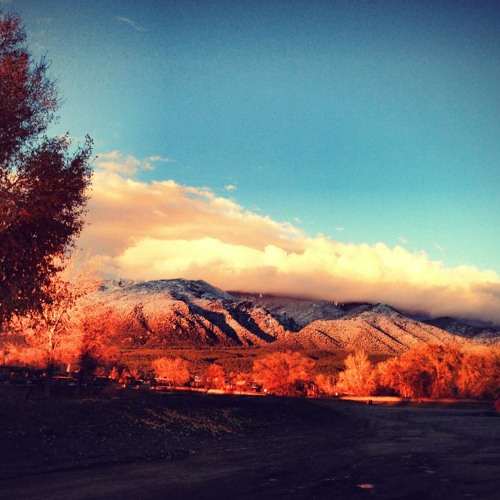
<point x="290" y="449"/>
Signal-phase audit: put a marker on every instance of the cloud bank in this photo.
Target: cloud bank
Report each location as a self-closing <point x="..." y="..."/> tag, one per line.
<point x="163" y="230"/>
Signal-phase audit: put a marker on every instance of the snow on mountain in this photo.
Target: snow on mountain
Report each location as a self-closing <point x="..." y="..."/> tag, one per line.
<point x="483" y="333"/>
<point x="177" y="289"/>
<point x="183" y="313"/>
<point x="379" y="329"/>
<point x="299" y="312"/>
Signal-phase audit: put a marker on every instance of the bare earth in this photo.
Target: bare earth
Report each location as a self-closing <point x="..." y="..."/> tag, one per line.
<point x="143" y="445"/>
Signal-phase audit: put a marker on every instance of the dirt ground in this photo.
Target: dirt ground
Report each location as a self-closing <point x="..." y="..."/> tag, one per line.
<point x="144" y="445"/>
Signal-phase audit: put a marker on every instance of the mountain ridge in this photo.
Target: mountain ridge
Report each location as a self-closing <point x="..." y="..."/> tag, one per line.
<point x="195" y="314"/>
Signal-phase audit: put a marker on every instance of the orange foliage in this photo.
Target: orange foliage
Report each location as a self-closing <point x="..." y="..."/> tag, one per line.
<point x="283" y="373"/>
<point x="214" y="377"/>
<point x="357" y="378"/>
<point x="325" y="385"/>
<point x="57" y="333"/>
<point x="479" y="375"/>
<point x="172" y="371"/>
<point x="441" y="371"/>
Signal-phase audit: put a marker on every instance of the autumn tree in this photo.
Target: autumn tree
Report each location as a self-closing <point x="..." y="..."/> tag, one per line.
<point x="430" y="370"/>
<point x="479" y="375"/>
<point x="173" y="371"/>
<point x="283" y="373"/>
<point x="326" y="385"/>
<point x="214" y="377"/>
<point x="99" y="348"/>
<point x="405" y="379"/>
<point x="55" y="333"/>
<point x="43" y="182"/>
<point x="358" y="375"/>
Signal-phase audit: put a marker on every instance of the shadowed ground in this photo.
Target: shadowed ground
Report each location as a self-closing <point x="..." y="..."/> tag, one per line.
<point x="153" y="446"/>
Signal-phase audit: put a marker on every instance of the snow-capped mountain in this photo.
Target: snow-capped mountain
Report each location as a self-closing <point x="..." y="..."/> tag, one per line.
<point x="182" y="313"/>
<point x="379" y="328"/>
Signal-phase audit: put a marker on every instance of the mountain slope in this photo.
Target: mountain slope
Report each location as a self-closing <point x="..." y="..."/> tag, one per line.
<point x="379" y="329"/>
<point x="182" y="313"/>
<point x="482" y="333"/>
<point x="299" y="312"/>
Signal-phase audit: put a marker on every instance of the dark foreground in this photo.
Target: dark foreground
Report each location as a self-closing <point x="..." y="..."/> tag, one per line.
<point x="192" y="446"/>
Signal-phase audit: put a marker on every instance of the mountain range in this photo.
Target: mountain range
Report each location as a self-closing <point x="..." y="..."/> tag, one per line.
<point x="194" y="314"/>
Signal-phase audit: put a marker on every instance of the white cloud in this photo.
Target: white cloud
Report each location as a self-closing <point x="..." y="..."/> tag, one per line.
<point x="403" y="240"/>
<point x="230" y="187"/>
<point x="163" y="159"/>
<point x="116" y="161"/>
<point x="165" y="230"/>
<point x="128" y="21"/>
<point x="438" y="246"/>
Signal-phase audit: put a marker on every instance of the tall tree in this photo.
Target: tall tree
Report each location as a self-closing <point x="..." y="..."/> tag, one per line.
<point x="43" y="183"/>
<point x="479" y="374"/>
<point x="58" y="332"/>
<point x="283" y="373"/>
<point x="214" y="377"/>
<point x="357" y="378"/>
<point x="174" y="371"/>
<point x="427" y="370"/>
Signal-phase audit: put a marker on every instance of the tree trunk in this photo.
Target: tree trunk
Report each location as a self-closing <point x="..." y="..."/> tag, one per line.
<point x="48" y="379"/>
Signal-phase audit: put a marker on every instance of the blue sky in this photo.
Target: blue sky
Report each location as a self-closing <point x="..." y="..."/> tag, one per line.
<point x="364" y="121"/>
<point x="381" y="118"/>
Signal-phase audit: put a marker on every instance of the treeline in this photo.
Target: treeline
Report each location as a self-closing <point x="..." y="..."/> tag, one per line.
<point x="427" y="371"/>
